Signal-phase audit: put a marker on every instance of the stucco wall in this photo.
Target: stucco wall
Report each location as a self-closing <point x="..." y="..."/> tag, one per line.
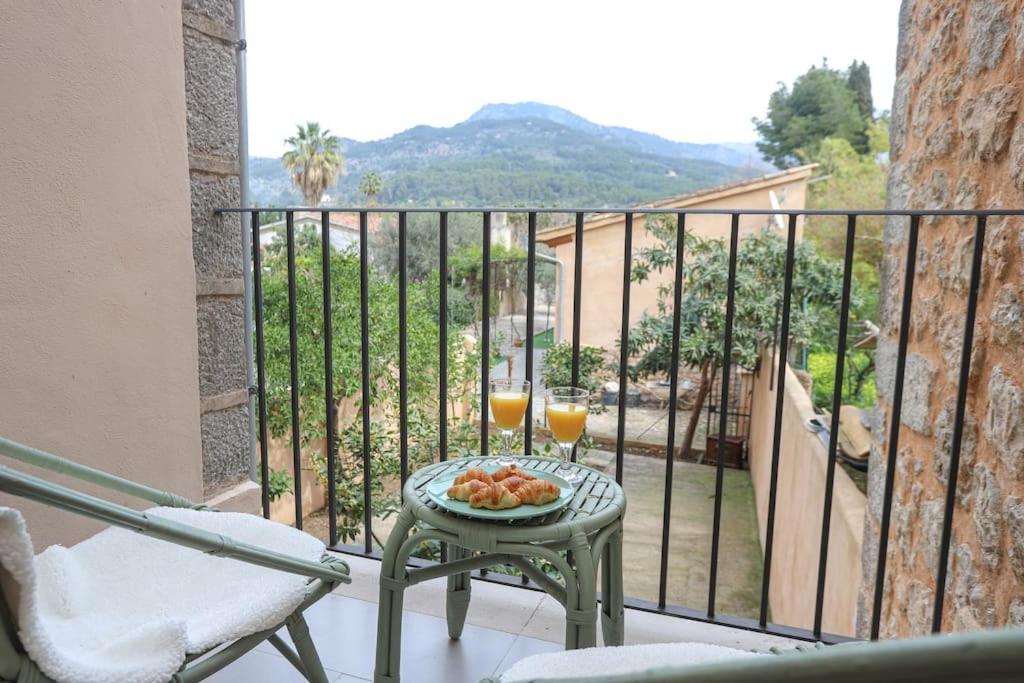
<point x="798" y="511"/>
<point x="97" y="292"/>
<point x="957" y="142"/>
<point x="602" y="258"/>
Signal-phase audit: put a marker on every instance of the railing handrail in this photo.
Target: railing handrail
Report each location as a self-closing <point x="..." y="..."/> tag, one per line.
<point x="629" y="210"/>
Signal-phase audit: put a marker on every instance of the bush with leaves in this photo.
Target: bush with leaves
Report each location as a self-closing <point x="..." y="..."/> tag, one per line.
<point x="760" y="263"/>
<point x="422" y="335"/>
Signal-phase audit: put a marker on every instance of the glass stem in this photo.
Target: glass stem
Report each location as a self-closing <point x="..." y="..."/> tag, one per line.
<point x="506" y="442"/>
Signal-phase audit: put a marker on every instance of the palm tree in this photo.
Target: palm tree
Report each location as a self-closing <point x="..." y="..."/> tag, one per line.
<point x="370" y="186"/>
<point x="314" y="159"/>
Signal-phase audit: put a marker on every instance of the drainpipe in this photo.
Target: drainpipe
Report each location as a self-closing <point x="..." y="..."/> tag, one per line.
<point x="560" y="268"/>
<point x="245" y="225"/>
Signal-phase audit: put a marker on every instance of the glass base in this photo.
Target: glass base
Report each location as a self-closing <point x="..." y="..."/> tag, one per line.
<point x="570" y="474"/>
<point x="505" y="460"/>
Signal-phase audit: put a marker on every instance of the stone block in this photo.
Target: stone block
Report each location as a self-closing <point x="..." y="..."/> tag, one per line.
<point x="225" y="437"/>
<point x="918" y="376"/>
<point x="220" y="11"/>
<point x="986" y="123"/>
<point x="1007" y="318"/>
<point x="988" y="29"/>
<point x="1015" y="615"/>
<point x="1015" y="531"/>
<point x="216" y="238"/>
<point x="221" y="323"/>
<point x="1004" y="413"/>
<point x="1017" y="156"/>
<point x="987" y="513"/>
<point x="211" y="102"/>
<point x="900" y="114"/>
<point x="944" y="447"/>
<point x="931" y="532"/>
<point x="939" y="142"/>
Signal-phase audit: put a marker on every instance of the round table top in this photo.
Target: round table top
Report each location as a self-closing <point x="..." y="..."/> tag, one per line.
<point x="598" y="501"/>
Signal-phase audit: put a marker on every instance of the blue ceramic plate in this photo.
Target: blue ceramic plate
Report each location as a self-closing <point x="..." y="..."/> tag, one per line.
<point x="438" y="492"/>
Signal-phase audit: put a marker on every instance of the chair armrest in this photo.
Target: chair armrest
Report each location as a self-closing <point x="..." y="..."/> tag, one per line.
<point x="55" y="495"/>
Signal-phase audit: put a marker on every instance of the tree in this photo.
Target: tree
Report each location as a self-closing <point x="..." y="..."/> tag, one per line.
<point x="314" y="159"/>
<point x="817" y="282"/>
<point x="370" y="186"/>
<point x="820" y="105"/>
<point x="858" y="79"/>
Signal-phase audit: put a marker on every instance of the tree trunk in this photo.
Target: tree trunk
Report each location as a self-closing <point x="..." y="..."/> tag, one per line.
<point x="707" y="373"/>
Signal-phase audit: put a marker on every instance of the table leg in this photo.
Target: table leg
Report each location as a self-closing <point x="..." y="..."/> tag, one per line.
<point x="581" y="597"/>
<point x="612" y="608"/>
<point x="389" y="611"/>
<point x="457" y="601"/>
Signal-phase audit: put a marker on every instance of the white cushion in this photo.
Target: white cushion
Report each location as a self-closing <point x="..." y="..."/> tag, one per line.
<point x="626" y="659"/>
<point x="122" y="607"/>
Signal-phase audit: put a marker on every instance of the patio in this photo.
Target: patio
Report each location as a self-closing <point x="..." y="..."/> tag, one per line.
<point x="505" y="624"/>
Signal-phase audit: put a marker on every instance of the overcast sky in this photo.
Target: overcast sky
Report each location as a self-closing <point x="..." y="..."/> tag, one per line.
<point x="695" y="71"/>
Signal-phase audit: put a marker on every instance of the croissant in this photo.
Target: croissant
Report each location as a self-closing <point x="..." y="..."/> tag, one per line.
<point x="464" y="490"/>
<point x="477" y="473"/>
<point x="537" y="492"/>
<point x="494" y="497"/>
<point x="513" y="483"/>
<point x="511" y="471"/>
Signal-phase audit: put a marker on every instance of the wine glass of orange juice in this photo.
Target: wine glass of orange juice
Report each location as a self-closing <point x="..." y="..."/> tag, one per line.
<point x="566" y="409"/>
<point x="508" y="399"/>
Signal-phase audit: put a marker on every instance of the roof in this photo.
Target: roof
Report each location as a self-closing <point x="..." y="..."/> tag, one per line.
<point x="340" y="220"/>
<point x="559" y="234"/>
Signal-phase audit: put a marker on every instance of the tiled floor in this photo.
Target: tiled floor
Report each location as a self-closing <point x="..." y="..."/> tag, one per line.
<point x="504" y="625"/>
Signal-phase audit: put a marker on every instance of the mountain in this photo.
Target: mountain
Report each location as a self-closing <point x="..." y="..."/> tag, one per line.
<point x="740" y="154"/>
<point x="525" y="154"/>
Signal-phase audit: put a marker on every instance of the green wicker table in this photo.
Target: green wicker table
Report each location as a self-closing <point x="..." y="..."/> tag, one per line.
<point x="590" y="526"/>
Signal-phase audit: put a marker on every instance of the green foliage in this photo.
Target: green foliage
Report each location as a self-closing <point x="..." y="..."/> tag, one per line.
<point x="759" y="272"/>
<point x="314" y="160"/>
<point x="858" y="379"/>
<point x="858" y="79"/>
<point x="279" y="483"/>
<point x="370" y="187"/>
<point x="422" y="335"/>
<point x="557" y="371"/>
<point x="823" y="103"/>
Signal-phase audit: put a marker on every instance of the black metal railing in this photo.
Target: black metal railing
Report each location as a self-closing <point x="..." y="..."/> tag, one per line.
<point x="779" y="345"/>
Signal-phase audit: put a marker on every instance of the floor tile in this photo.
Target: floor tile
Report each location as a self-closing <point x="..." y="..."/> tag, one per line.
<point x="345" y="631"/>
<point x="261" y="667"/>
<point x="547" y="622"/>
<point x="525" y="647"/>
<point x="503" y="608"/>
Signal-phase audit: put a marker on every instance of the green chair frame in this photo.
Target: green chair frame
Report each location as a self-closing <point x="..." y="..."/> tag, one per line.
<point x="324" y="576"/>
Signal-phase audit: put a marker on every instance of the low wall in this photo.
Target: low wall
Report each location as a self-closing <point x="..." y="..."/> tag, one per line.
<point x="798" y="511"/>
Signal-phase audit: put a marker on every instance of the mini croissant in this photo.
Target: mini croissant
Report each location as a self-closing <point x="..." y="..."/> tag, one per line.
<point x="466" y="489"/>
<point x="511" y="471"/>
<point x="513" y="483"/>
<point x="494" y="497"/>
<point x="537" y="492"/>
<point x="477" y="473"/>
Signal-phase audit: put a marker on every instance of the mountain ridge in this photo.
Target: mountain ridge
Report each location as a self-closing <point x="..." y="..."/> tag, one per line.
<point x="517" y="154"/>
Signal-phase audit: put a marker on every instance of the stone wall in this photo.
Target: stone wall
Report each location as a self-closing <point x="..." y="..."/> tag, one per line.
<point x="210" y="54"/>
<point x="957" y="142"/>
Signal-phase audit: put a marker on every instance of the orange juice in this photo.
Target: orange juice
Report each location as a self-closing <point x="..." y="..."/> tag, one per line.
<point x="566" y="421"/>
<point x="508" y="408"/>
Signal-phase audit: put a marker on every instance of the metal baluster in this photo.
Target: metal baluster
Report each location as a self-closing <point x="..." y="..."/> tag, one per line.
<point x="894" y="427"/>
<point x="364" y="330"/>
<point x="485" y="344"/>
<point x="403" y="349"/>
<point x="261" y="364"/>
<point x="780" y="393"/>
<point x="723" y="418"/>
<point x="673" y="403"/>
<point x="293" y="351"/>
<point x="531" y="276"/>
<point x="627" y="264"/>
<point x="332" y="438"/>
<point x="958" y="422"/>
<point x="837" y="404"/>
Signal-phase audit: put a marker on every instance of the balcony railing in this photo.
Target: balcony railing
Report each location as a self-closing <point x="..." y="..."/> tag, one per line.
<point x="708" y="612"/>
